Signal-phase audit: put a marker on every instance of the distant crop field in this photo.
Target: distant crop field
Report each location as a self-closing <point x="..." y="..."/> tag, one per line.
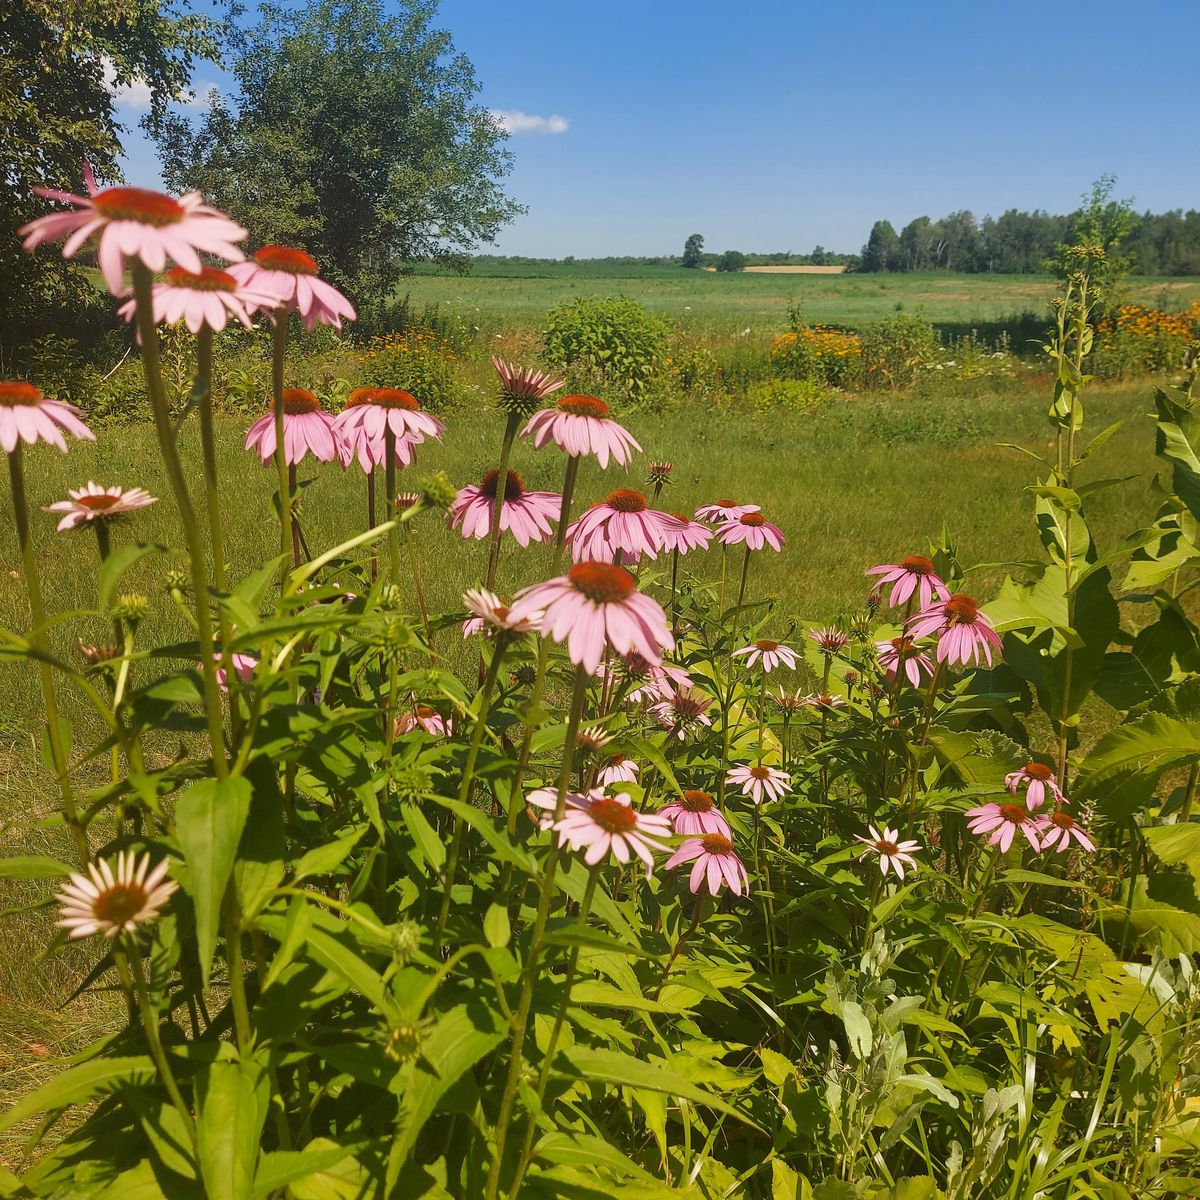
<point x="501" y="297"/>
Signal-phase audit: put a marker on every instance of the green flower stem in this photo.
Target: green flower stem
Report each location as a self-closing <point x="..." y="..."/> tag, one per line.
<point x="150" y="1025"/>
<point x="521" y="1016"/>
<point x="293" y="520"/>
<point x="37" y="638"/>
<point x="208" y="446"/>
<point x="389" y="483"/>
<point x="724" y="571"/>
<point x="148" y="332"/>
<point x="468" y="779"/>
<point x="674" y="594"/>
<point x="742" y="585"/>
<point x="926" y="725"/>
<point x="104" y="548"/>
<point x="414" y="566"/>
<point x="278" y="352"/>
<point x="371" y="519"/>
<point x="683" y="937"/>
<point x="237" y="977"/>
<point x="1189" y="795"/>
<point x="506" y="444"/>
<point x="876" y="885"/>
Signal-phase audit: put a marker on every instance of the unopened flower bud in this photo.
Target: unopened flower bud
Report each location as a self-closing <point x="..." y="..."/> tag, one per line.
<point x="437" y="490"/>
<point x="95" y="655"/>
<point x="131" y="607"/>
<point x="406" y="942"/>
<point x="175" y="580"/>
<point x="403" y="1044"/>
<point x="659" y="473"/>
<point x="390" y="596"/>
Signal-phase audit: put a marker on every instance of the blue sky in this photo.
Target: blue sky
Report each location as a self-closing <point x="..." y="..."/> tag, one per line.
<point x="779" y="125"/>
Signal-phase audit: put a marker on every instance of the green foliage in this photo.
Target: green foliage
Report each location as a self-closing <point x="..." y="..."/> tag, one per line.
<point x="731" y="260"/>
<point x="693" y="251"/>
<point x="416" y="361"/>
<point x="611" y="340"/>
<point x="896" y="350"/>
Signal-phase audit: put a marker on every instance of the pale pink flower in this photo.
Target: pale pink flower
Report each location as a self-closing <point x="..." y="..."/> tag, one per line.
<point x="721" y="511"/>
<point x="610" y="824"/>
<point x="788" y="703"/>
<point x="522" y="389"/>
<point x="683" y="712"/>
<point x="769" y="654"/>
<point x="893" y="853"/>
<point x="621" y="528"/>
<point x="694" y="813"/>
<point x="590" y="741"/>
<point x="914" y="574"/>
<point x="136" y="223"/>
<point x="1056" y="830"/>
<point x="681" y="535"/>
<point x="716" y="864"/>
<point x="290" y="278"/>
<point x="594" y="606"/>
<point x="759" y="782"/>
<point x="582" y="425"/>
<point x="753" y="529"/>
<point x="208" y="297"/>
<point x="1001" y="822"/>
<point x="824" y="702"/>
<point x="829" y="639"/>
<point x="370" y="412"/>
<point x="1038" y="780"/>
<point x="307" y="428"/>
<point x="243" y="668"/>
<point x="28" y="416"/>
<point x="546" y="799"/>
<point x="645" y="680"/>
<point x="94" y="503"/>
<point x="422" y="717"/>
<point x="490" y="613"/>
<point x="618" y="769"/>
<point x="963" y="632"/>
<point x="903" y="653"/>
<point x="111" y="901"/>
<point x="526" y="515"/>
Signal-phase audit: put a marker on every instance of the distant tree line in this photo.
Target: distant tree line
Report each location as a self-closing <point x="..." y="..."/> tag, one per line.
<point x="1021" y="243"/>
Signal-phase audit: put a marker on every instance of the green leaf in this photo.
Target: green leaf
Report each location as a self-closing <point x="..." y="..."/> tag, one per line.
<point x="233" y="1099"/>
<point x="496" y="927"/>
<point x="33" y="866"/>
<point x="1124" y="766"/>
<point x="1176" y="845"/>
<point x="584" y="1150"/>
<point x="119" y="560"/>
<point x="1178" y="431"/>
<point x="588" y="938"/>
<point x="323" y="859"/>
<point x="279" y="1168"/>
<point x="209" y="820"/>
<point x="80" y="1083"/>
<point x="858" y="1029"/>
<point x="424" y="835"/>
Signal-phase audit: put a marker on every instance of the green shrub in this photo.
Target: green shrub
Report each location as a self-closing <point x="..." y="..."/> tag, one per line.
<point x="896" y="350"/>
<point x="612" y="339"/>
<point x="817" y="354"/>
<point x="795" y="395"/>
<point x="418" y="361"/>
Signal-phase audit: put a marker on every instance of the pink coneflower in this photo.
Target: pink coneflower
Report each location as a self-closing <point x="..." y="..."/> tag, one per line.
<point x="618" y="769"/>
<point x="489" y="612"/>
<point x="787" y="702"/>
<point x="646" y="680"/>
<point x="695" y="813"/>
<point x="546" y="799"/>
<point x="111" y="901"/>
<point x="306" y="428"/>
<point x="526" y="515"/>
<point x="612" y="824"/>
<point x="829" y="639"/>
<point x="682" y="712"/>
<point x="623" y="525"/>
<point x="658" y="474"/>
<point x="1001" y="822"/>
<point x="208" y="297"/>
<point x="716" y="864"/>
<point x="893" y="853"/>
<point x="963" y="632"/>
<point x="582" y="425"/>
<point x="1056" y="830"/>
<point x="93" y="503"/>
<point x="1038" y="780"/>
<point x="721" y="511"/>
<point x="769" y="654"/>
<point x="136" y="223"/>
<point x="291" y="278"/>
<point x="243" y="668"/>
<point x="914" y="574"/>
<point x="422" y="717"/>
<point x="823" y="702"/>
<point x="28" y="416"/>
<point x="903" y="653"/>
<point x="590" y="741"/>
<point x="371" y="412"/>
<point x="522" y="389"/>
<point x="595" y="605"/>
<point x="753" y="529"/>
<point x="681" y="535"/>
<point x="759" y="782"/>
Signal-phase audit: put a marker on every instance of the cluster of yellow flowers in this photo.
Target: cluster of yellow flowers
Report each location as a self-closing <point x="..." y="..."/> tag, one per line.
<point x="823" y="341"/>
<point x="1140" y="321"/>
<point x="416" y="360"/>
<point x="1135" y="338"/>
<point x="419" y="342"/>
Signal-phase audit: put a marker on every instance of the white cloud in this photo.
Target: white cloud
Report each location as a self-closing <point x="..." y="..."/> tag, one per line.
<point x="135" y="96"/>
<point x="513" y="120"/>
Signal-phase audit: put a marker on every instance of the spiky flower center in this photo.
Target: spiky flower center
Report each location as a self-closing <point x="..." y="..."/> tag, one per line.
<point x="716" y="843"/>
<point x="138" y="204"/>
<point x="386" y="397"/>
<point x="688" y="705"/>
<point x="961" y="610"/>
<point x="1040" y="771"/>
<point x="286" y="258"/>
<point x="424" y="712"/>
<point x="760" y="773"/>
<point x="209" y="279"/>
<point x="299" y="400"/>
<point x="14" y="392"/>
<point x="1062" y="820"/>
<point x="1018" y="814"/>
<point x="612" y="816"/>
<point x="753" y="519"/>
<point x="97" y="503"/>
<point x="766" y="646"/>
<point x="918" y="564"/>
<point x="696" y="801"/>
<point x="626" y="500"/>
<point x="887" y="848"/>
<point x="120" y="903"/>
<point x="588" y="742"/>
<point x="514" y="485"/>
<point x="903" y="646"/>
<point x="359" y="397"/>
<point x="605" y="583"/>
<point x="584" y="406"/>
<point x="615" y="760"/>
<point x="725" y="504"/>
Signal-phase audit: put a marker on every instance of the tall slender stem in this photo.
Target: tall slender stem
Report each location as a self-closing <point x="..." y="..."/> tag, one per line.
<point x="294" y="522"/>
<point x="37" y="637"/>
<point x="208" y="446"/>
<point x="279" y="336"/>
<point x="414" y="565"/>
<point x="506" y="443"/>
<point x="389" y="483"/>
<point x="674" y="594"/>
<point x="371" y="520"/>
<point x="745" y="573"/>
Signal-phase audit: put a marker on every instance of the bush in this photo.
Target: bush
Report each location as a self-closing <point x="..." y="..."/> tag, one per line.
<point x="731" y="260"/>
<point x="817" y="354"/>
<point x="612" y="339"/>
<point x="418" y="361"/>
<point x="1135" y="340"/>
<point x="896" y="350"/>
<point x="797" y="395"/>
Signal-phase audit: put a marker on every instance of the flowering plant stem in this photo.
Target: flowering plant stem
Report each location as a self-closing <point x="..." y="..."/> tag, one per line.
<point x="279" y="335"/>
<point x="16" y="475"/>
<point x="529" y="976"/>
<point x="506" y="444"/>
<point x="389" y="484"/>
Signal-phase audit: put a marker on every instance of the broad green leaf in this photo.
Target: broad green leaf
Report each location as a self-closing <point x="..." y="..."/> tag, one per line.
<point x="119" y="560"/>
<point x="582" y="1149"/>
<point x="78" y="1084"/>
<point x="233" y="1099"/>
<point x="209" y="820"/>
<point x="496" y="927"/>
<point x="279" y="1168"/>
<point x="323" y="859"/>
<point x="1176" y="845"/>
<point x="425" y="837"/>
<point x="33" y="866"/>
<point x="858" y="1029"/>
<point x="1121" y="772"/>
<point x="1177" y="434"/>
<point x="588" y="938"/>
